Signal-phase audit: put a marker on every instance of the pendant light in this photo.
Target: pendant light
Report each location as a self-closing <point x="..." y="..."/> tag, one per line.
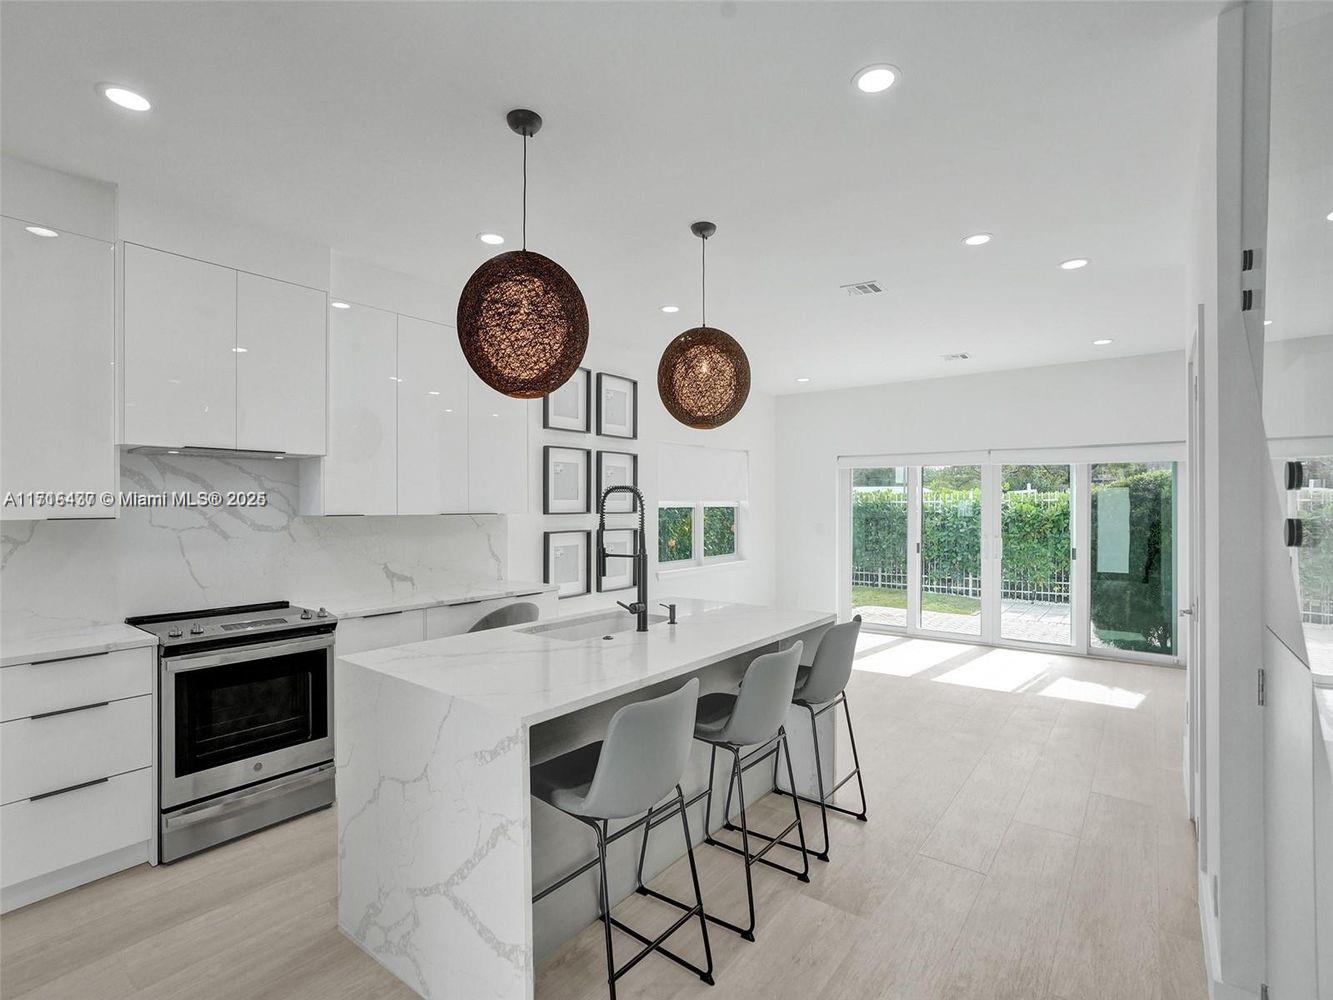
<point x="704" y="375"/>
<point x="522" y="322"/>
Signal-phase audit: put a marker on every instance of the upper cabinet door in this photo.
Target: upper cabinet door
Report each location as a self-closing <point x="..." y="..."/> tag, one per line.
<point x="280" y="366"/>
<point x="497" y="450"/>
<point x="180" y="363"/>
<point x="57" y="358"/>
<point x="432" y="419"/>
<point x="360" y="470"/>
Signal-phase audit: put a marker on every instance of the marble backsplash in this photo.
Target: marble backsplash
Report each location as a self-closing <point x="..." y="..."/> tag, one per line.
<point x="57" y="574"/>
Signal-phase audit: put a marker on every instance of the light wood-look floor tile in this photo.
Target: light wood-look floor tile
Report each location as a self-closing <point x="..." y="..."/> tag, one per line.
<point x="1022" y="843"/>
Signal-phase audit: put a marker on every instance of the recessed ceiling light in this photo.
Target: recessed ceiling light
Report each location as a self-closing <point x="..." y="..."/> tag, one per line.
<point x="1329" y="217"/>
<point x="491" y="239"/>
<point x="876" y="79"/>
<point x="1268" y="322"/>
<point x="671" y="309"/>
<point x="1075" y="264"/>
<point x="337" y="304"/>
<point x="803" y="378"/>
<point x="433" y="392"/>
<point x="42" y="231"/>
<point x="977" y="239"/>
<point x="239" y="350"/>
<point x="173" y="452"/>
<point x="448" y="410"/>
<point x="127" y="99"/>
<point x="1102" y="343"/>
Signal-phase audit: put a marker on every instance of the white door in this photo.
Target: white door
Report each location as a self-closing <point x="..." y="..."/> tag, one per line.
<point x="361" y="469"/>
<point x="280" y="366"/>
<point x="432" y="419"/>
<point x="497" y="450"/>
<point x="57" y="359"/>
<point x="1195" y="716"/>
<point x="180" y="366"/>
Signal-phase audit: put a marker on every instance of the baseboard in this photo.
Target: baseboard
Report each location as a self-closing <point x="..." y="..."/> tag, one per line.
<point x="22" y="893"/>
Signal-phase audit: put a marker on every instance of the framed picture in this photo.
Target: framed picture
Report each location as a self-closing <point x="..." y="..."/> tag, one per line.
<point x="617" y="468"/>
<point x="567" y="561"/>
<point x="617" y="406"/>
<point x="566" y="474"/>
<point x="619" y="572"/>
<point x="569" y="408"/>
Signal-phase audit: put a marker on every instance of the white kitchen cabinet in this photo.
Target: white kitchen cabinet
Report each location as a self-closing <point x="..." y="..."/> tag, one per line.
<point x="57" y="361"/>
<point x="432" y="419"/>
<point x="394" y="628"/>
<point x="497" y="451"/>
<point x="360" y="473"/>
<point x="179" y="340"/>
<point x="280" y="366"/>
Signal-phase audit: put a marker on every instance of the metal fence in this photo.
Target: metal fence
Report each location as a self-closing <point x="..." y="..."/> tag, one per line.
<point x="1053" y="591"/>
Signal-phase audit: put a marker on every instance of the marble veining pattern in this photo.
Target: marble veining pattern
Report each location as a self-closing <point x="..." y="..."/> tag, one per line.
<point x="56" y="575"/>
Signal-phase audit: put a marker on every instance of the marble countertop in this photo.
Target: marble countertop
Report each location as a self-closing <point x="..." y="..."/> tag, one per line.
<point x="532" y="677"/>
<point x="364" y="603"/>
<point x="35" y="642"/>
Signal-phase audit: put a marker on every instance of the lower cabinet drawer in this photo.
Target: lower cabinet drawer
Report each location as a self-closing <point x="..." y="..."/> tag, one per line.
<point x="355" y="635"/>
<point x="32" y="688"/>
<point x="46" y="754"/>
<point x="47" y="834"/>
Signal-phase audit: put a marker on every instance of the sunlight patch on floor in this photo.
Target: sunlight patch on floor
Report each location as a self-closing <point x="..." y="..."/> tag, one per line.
<point x="913" y="657"/>
<point x="1093" y="693"/>
<point x="998" y="670"/>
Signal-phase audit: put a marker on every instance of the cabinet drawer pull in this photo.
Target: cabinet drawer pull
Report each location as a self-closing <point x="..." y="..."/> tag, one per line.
<point x="71" y="788"/>
<point x="383" y="614"/>
<point x="68" y="659"/>
<point x="67" y="711"/>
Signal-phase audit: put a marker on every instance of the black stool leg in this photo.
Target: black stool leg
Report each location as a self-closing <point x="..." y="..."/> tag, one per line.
<point x="819" y="780"/>
<point x="698" y="894"/>
<point x="601" y="831"/>
<point x="748" y="933"/>
<point x="796" y="804"/>
<point x="856" y="761"/>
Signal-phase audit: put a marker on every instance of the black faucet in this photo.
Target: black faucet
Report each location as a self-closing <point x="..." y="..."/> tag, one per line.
<point x="640" y="555"/>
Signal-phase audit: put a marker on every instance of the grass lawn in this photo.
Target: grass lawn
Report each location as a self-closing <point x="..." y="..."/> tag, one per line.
<point x="953" y="604"/>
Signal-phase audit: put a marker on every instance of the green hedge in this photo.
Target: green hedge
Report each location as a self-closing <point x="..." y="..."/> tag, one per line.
<point x="1137" y="610"/>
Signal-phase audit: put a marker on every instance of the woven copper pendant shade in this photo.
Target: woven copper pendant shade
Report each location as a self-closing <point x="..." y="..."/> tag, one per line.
<point x="704" y="375"/>
<point x="522" y="321"/>
<point x="703" y="378"/>
<point x="522" y="324"/>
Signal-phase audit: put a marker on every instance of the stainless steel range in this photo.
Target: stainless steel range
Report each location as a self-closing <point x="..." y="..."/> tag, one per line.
<point x="245" y="720"/>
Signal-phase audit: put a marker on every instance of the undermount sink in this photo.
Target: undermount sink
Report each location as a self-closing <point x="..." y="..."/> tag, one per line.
<point x="592" y="627"/>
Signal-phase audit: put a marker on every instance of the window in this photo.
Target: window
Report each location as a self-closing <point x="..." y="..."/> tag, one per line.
<point x="697" y="534"/>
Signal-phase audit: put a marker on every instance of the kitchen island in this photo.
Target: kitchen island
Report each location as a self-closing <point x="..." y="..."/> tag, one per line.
<point x="440" y="846"/>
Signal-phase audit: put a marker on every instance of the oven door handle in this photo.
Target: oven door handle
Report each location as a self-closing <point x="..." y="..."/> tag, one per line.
<point x="240" y="802"/>
<point x="240" y="654"/>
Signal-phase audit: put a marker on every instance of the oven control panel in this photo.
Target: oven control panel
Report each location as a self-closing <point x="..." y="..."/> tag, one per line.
<point x="244" y="623"/>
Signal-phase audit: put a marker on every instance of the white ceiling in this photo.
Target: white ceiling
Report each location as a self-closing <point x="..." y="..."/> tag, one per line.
<point x="1066" y="129"/>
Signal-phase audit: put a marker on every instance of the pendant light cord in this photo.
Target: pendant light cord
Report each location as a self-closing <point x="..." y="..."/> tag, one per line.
<point x="525" y="191"/>
<point x="703" y="281"/>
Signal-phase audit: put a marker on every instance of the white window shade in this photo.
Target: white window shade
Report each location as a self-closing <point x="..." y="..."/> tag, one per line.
<point x="694" y="474"/>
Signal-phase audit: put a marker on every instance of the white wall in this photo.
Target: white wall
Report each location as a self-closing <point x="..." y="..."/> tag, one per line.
<point x="1298" y="395"/>
<point x="750" y="580"/>
<point x="1113" y="402"/>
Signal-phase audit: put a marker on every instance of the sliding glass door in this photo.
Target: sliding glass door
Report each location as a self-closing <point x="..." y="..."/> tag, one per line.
<point x="1035" y="567"/>
<point x="1132" y="604"/>
<point x="951" y="549"/>
<point x="879" y="546"/>
<point x="1068" y="556"/>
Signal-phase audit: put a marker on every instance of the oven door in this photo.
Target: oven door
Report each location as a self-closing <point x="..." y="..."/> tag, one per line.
<point x="234" y="717"/>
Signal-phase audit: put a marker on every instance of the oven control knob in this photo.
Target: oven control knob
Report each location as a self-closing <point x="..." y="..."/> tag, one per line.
<point x="196" y="629"/>
<point x="322" y="613"/>
<point x="306" y="615"/>
<point x="175" y="633"/>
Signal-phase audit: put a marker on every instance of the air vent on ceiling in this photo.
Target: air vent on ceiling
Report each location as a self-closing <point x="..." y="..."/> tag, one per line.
<point x="863" y="288"/>
<point x="961" y="356"/>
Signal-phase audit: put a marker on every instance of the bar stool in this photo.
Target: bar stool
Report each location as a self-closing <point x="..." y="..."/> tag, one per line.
<point x="753" y="717"/>
<point x="824" y="683"/>
<point x="644" y="755"/>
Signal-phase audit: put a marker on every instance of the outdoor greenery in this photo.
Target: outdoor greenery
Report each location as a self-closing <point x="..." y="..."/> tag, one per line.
<point x="719" y="531"/>
<point x="675" y="534"/>
<point x="893" y="597"/>
<point x="1133" y="610"/>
